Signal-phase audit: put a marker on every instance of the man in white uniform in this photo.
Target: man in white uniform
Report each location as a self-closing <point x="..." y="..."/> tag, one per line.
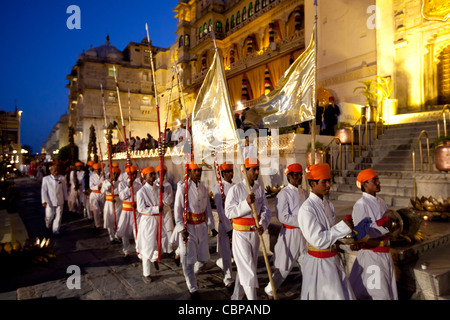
<point x="128" y="222"/>
<point x="76" y="195"/>
<point x="245" y="238"/>
<point x="225" y="227"/>
<point x="193" y="226"/>
<point x="167" y="218"/>
<point x="110" y="221"/>
<point x="376" y="250"/>
<point x="54" y="195"/>
<point x="147" y="201"/>
<point x="290" y="246"/>
<point x="97" y="198"/>
<point x="324" y="274"/>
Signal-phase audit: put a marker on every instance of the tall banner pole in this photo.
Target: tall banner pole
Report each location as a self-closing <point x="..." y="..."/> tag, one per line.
<point x="249" y="189"/>
<point x="127" y="150"/>
<point x="161" y="149"/>
<point x="108" y="146"/>
<point x="314" y="98"/>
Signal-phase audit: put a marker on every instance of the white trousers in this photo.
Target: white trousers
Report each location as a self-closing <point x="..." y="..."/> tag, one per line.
<point x="53" y="217"/>
<point x="240" y="290"/>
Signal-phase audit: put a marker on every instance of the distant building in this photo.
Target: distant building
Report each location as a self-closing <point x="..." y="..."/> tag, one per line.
<point x="10" y="135"/>
<point x="58" y="137"/>
<point x="95" y="68"/>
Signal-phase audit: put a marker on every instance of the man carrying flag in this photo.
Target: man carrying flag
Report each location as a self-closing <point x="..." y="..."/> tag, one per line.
<point x="147" y="239"/>
<point x="225" y="227"/>
<point x="109" y="220"/>
<point x="127" y="227"/>
<point x="245" y="239"/>
<point x="167" y="219"/>
<point x="193" y="243"/>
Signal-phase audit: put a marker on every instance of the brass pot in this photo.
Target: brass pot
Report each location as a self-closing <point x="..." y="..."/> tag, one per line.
<point x="344" y="135"/>
<point x="442" y="157"/>
<point x="317" y="157"/>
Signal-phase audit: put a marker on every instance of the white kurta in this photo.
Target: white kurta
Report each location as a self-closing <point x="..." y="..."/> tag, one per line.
<point x="76" y="197"/>
<point x="246" y="243"/>
<point x="326" y="279"/>
<point x="361" y="277"/>
<point x="147" y="239"/>
<point x="196" y="248"/>
<point x="223" y="241"/>
<point x="167" y="225"/>
<point x="108" y="213"/>
<point x="126" y="227"/>
<point x="54" y="193"/>
<point x="96" y="199"/>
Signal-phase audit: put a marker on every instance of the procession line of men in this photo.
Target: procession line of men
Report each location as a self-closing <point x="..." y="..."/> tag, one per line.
<point x="309" y="234"/>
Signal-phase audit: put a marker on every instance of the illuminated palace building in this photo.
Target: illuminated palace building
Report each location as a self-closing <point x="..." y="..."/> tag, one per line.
<point x="405" y="41"/>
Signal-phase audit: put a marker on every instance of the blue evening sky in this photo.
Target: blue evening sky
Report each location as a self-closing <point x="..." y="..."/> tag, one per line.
<point x="38" y="50"/>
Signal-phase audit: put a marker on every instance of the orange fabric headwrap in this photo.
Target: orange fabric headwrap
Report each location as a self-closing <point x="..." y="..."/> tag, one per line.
<point x="251" y="163"/>
<point x="295" y="167"/>
<point x="158" y="168"/>
<point x="96" y="166"/>
<point x="131" y="168"/>
<point x="147" y="170"/>
<point x="318" y="171"/>
<point x="116" y="170"/>
<point x="193" y="166"/>
<point x="90" y="163"/>
<point x="78" y="164"/>
<point x="366" y="175"/>
<point x="115" y="165"/>
<point x="226" y="166"/>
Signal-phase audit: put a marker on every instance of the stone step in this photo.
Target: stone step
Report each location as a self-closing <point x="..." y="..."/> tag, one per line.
<point x="386" y="181"/>
<point x="432" y="274"/>
<point x="405" y="191"/>
<point x="392" y="201"/>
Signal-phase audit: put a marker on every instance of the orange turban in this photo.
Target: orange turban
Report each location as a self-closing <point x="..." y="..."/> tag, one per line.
<point x="193" y="166"/>
<point x="90" y="163"/>
<point x="78" y="164"/>
<point x="318" y="171"/>
<point x="365" y="175"/>
<point x="96" y="166"/>
<point x="147" y="170"/>
<point x="226" y="166"/>
<point x="115" y="165"/>
<point x="131" y="168"/>
<point x="251" y="163"/>
<point x="116" y="170"/>
<point x="295" y="167"/>
<point x="158" y="167"/>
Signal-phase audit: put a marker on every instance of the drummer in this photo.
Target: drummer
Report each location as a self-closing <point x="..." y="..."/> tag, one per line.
<point x="374" y="260"/>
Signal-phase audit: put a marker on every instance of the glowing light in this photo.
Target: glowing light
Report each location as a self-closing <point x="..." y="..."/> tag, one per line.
<point x="425" y="218"/>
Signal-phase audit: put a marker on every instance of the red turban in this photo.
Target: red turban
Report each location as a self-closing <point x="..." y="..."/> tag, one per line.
<point x="318" y="171"/>
<point x="90" y="163"/>
<point x="147" y="170"/>
<point x="226" y="166"/>
<point x="251" y="163"/>
<point x="78" y="164"/>
<point x="295" y="167"/>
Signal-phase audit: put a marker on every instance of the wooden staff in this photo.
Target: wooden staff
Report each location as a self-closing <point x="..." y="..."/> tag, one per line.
<point x="160" y="149"/>
<point x="127" y="150"/>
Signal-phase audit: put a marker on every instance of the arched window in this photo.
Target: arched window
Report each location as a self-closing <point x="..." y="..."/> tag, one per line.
<point x="257" y="5"/>
<point x="186" y="40"/>
<point x="181" y="42"/>
<point x="264" y="3"/>
<point x="244" y="14"/>
<point x="443" y="76"/>
<point x="209" y="25"/>
<point x="200" y="32"/>
<point x="219" y="27"/>
<point x="250" y="9"/>
<point x="205" y="30"/>
<point x="232" y="21"/>
<point x="238" y="17"/>
<point x="227" y="25"/>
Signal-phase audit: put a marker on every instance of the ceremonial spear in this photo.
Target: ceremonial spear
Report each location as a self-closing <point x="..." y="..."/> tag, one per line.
<point x="108" y="146"/>
<point x="128" y="151"/>
<point x="161" y="150"/>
